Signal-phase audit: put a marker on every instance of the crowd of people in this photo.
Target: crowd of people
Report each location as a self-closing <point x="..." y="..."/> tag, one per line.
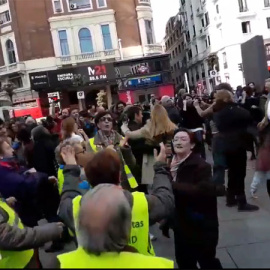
<point x="102" y="177"/>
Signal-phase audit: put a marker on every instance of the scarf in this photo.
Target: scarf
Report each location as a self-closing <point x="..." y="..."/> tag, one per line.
<point x="107" y="140"/>
<point x="10" y="163"/>
<point x="175" y="165"/>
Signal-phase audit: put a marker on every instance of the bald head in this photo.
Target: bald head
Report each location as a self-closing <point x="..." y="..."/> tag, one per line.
<point x="104" y="220"/>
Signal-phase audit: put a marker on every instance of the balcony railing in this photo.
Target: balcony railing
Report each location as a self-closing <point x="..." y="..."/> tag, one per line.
<point x="153" y="49"/>
<point x="202" y="33"/>
<point x="85" y="57"/>
<point x="244" y="13"/>
<point x="13" y="68"/>
<point x="200" y="12"/>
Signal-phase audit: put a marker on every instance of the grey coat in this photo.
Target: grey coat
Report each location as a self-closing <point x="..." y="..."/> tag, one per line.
<point x="160" y="202"/>
<point x="14" y="239"/>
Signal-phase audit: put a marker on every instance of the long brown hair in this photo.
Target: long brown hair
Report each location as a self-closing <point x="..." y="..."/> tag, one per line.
<point x="160" y="122"/>
<point x="68" y="126"/>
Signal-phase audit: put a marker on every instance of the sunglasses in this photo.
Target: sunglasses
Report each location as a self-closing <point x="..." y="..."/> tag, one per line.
<point x="103" y="119"/>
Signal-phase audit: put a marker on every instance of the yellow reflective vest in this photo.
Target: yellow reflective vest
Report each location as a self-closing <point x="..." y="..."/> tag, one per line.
<point x="60" y="177"/>
<point x="131" y="179"/>
<point x="14" y="259"/>
<point x="81" y="259"/>
<point x="139" y="236"/>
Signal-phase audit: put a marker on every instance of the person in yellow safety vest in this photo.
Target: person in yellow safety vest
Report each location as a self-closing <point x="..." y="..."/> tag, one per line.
<point x="106" y="137"/>
<point x="81" y="157"/>
<point x="104" y="226"/>
<point x="105" y="167"/>
<point x="18" y="242"/>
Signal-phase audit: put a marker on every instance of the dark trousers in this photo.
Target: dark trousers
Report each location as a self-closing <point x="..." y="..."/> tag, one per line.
<point x="188" y="253"/>
<point x="219" y="167"/>
<point x="237" y="164"/>
<point x="200" y="148"/>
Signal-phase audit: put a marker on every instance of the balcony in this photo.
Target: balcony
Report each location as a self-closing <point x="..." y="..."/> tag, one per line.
<point x="245" y="13"/>
<point x="87" y="57"/>
<point x="153" y="49"/>
<point x="199" y="12"/>
<point x="202" y="33"/>
<point x="218" y="20"/>
<point x="13" y="68"/>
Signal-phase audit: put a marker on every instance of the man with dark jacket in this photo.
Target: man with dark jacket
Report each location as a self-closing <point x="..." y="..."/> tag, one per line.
<point x="173" y="112"/>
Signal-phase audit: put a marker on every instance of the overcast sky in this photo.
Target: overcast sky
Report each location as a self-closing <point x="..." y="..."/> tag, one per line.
<point x="162" y="11"/>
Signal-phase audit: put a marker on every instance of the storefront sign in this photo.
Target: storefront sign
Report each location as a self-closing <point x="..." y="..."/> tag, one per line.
<point x="142" y="81"/>
<point x="80" y="95"/>
<point x="68" y="77"/>
<point x="39" y="80"/>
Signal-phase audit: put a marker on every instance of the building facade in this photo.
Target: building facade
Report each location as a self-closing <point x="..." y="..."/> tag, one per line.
<point x="213" y="31"/>
<point x="49" y="35"/>
<point x="174" y="44"/>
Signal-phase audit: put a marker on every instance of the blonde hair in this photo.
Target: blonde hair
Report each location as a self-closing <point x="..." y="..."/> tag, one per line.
<point x="160" y="122"/>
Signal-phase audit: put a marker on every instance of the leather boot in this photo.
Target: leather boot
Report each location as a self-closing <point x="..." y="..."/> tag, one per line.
<point x="243" y="206"/>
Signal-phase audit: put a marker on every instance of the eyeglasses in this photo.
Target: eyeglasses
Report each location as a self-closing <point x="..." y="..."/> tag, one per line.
<point x="103" y="119"/>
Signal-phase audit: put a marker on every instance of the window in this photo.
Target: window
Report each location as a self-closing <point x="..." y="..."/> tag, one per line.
<point x="63" y="42"/>
<point x="267" y="49"/>
<point x="144" y="1"/>
<point x="207" y="19"/>
<point x="206" y="44"/>
<point x="268" y="22"/>
<point x="242" y="5"/>
<point x="194" y="31"/>
<point x="246" y="27"/>
<point x="2" y="2"/>
<point x="80" y="4"/>
<point x="57" y="6"/>
<point x="203" y="23"/>
<point x="196" y="47"/>
<point x="5" y="17"/>
<point x="106" y="37"/>
<point x="10" y="52"/>
<point x="267" y="3"/>
<point x="86" y="43"/>
<point x="209" y="43"/>
<point x="17" y="81"/>
<point x="225" y="60"/>
<point x="217" y="9"/>
<point x="149" y="32"/>
<point x="101" y="3"/>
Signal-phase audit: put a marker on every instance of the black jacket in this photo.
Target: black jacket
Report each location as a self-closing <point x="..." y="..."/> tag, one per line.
<point x="195" y="199"/>
<point x="174" y="115"/>
<point x="191" y="119"/>
<point x="232" y="122"/>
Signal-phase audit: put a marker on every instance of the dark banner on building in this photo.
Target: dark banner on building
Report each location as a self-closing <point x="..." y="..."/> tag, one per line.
<point x="94" y="73"/>
<point x="143" y="73"/>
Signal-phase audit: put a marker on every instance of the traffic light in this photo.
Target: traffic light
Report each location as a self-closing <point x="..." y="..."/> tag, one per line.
<point x="240" y="67"/>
